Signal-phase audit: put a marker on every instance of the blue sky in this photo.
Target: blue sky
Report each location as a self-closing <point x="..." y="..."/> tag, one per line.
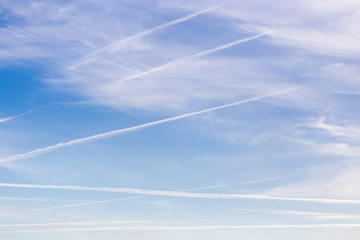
<point x="179" y="119"/>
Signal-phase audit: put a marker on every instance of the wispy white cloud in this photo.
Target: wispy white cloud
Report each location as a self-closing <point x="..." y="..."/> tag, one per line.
<point x="329" y="29"/>
<point x="347" y="131"/>
<point x="336" y="179"/>
<point x="183" y="194"/>
<point x="348" y="92"/>
<point x="135" y="128"/>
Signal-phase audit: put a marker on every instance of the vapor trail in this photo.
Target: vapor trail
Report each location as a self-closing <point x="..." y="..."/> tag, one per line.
<point x="127" y="198"/>
<point x="115" y="45"/>
<point x="25" y="113"/>
<point x="160" y="228"/>
<point x="132" y="129"/>
<point x="85" y="203"/>
<point x="177" y="61"/>
<point x="31" y="199"/>
<point x="182" y="194"/>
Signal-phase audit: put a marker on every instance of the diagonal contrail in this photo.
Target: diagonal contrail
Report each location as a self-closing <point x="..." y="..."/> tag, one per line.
<point x="182" y="194"/>
<point x="117" y="44"/>
<point x="180" y="60"/>
<point x="135" y="128"/>
<point x="25" y="113"/>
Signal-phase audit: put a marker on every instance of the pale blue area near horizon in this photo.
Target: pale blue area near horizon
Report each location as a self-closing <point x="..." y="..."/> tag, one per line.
<point x="66" y="73"/>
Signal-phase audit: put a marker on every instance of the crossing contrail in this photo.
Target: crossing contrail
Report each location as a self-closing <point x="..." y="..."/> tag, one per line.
<point x="117" y="44"/>
<point x="135" y="128"/>
<point x="143" y="196"/>
<point x="180" y="60"/>
<point x="182" y="194"/>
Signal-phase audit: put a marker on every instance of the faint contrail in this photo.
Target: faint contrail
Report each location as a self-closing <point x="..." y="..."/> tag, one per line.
<point x="128" y="198"/>
<point x="25" y="113"/>
<point x="85" y="203"/>
<point x="210" y="227"/>
<point x="31" y="199"/>
<point x="69" y="223"/>
<point x="135" y="128"/>
<point x="182" y="193"/>
<point x="179" y="60"/>
<point x="118" y="43"/>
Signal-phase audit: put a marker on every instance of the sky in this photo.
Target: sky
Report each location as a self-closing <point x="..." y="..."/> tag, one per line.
<point x="157" y="119"/>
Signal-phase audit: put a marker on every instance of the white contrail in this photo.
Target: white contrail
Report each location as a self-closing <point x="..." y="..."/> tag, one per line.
<point x="182" y="193"/>
<point x="69" y="223"/>
<point x="128" y="198"/>
<point x="25" y="113"/>
<point x="119" y="43"/>
<point x="177" y="61"/>
<point x="211" y="227"/>
<point x="135" y="128"/>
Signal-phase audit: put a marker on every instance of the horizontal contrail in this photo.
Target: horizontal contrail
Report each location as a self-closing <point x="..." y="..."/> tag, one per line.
<point x="117" y="44"/>
<point x="129" y="198"/>
<point x="177" y="61"/>
<point x="69" y="223"/>
<point x="25" y="113"/>
<point x="211" y="227"/>
<point x="182" y="193"/>
<point x="135" y="128"/>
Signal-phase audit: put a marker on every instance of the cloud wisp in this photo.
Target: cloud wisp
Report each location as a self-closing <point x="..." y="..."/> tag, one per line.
<point x="135" y="128"/>
<point x="174" y="228"/>
<point x="182" y="194"/>
<point x="180" y="60"/>
<point x="117" y="44"/>
<point x="348" y="131"/>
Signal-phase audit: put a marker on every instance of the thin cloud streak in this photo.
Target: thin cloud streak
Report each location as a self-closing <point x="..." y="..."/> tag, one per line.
<point x="117" y="44"/>
<point x="200" y="54"/>
<point x="182" y="193"/>
<point x="160" y="228"/>
<point x="135" y="128"/>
